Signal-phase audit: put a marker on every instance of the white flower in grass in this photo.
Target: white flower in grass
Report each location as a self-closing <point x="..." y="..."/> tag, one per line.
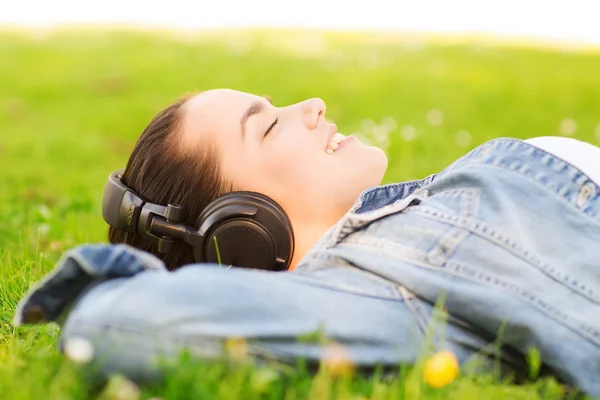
<point x="380" y="137"/>
<point x="435" y="117"/>
<point x="408" y="133"/>
<point x="79" y="350"/>
<point x="380" y="132"/>
<point x="463" y="138"/>
<point x="568" y="127"/>
<point x="120" y="388"/>
<point x="390" y="123"/>
<point x="43" y="229"/>
<point x="44" y="212"/>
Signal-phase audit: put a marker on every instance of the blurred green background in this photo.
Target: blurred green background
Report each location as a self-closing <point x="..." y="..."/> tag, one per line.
<point x="73" y="103"/>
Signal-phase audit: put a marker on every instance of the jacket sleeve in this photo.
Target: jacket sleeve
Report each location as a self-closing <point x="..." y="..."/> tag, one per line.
<point x="79" y="269"/>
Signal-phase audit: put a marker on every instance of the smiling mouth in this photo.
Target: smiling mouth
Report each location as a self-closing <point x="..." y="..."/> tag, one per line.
<point x="334" y="142"/>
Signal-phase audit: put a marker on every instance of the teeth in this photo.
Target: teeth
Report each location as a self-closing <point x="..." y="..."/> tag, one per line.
<point x="338" y="137"/>
<point x="334" y="143"/>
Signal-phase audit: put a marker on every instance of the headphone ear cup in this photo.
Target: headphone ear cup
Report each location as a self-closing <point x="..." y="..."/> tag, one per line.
<point x="245" y="229"/>
<point x="241" y="243"/>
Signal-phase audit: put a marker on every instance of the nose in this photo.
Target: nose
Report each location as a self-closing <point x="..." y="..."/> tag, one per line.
<point x="313" y="110"/>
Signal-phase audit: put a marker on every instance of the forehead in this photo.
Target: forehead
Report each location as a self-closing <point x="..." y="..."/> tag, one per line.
<point x="219" y="100"/>
<point x="215" y="112"/>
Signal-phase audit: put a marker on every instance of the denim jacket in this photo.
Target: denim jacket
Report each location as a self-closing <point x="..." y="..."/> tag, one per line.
<point x="506" y="239"/>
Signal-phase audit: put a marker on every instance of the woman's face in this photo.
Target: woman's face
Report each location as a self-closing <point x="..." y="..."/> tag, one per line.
<point x="282" y="151"/>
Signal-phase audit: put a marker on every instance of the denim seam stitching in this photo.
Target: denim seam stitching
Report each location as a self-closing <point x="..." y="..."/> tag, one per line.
<point x="524" y="295"/>
<point x="415" y="309"/>
<point x="482" y="230"/>
<point x="422" y="262"/>
<point x="391" y="292"/>
<point x="556" y="191"/>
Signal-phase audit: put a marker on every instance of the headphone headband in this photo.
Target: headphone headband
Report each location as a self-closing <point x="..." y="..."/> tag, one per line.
<point x="120" y="206"/>
<point x="251" y="228"/>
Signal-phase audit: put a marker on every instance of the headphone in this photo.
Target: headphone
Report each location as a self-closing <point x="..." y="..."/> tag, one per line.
<point x="245" y="229"/>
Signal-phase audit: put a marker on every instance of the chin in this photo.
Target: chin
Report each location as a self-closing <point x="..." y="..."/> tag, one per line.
<point x="369" y="171"/>
<point x="378" y="163"/>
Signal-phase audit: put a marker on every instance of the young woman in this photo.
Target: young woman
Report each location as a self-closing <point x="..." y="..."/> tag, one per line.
<point x="508" y="236"/>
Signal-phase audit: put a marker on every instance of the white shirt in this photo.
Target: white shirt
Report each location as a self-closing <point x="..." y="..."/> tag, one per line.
<point x="581" y="155"/>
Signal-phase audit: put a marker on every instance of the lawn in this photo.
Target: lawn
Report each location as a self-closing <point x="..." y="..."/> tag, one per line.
<point x="73" y="103"/>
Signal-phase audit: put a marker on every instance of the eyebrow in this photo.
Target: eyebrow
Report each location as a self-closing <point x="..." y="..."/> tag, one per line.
<point x="255" y="108"/>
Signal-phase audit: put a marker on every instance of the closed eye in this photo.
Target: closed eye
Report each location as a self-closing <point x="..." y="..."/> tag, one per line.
<point x="271" y="127"/>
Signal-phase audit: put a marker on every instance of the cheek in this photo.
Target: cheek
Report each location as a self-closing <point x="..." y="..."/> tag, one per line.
<point x="295" y="164"/>
<point x="284" y="166"/>
<point x="243" y="171"/>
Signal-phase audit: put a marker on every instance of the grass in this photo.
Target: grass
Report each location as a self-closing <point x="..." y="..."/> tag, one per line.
<point x="73" y="103"/>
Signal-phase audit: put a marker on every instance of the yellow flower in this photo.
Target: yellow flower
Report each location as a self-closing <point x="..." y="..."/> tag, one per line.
<point x="441" y="369"/>
<point x="236" y="347"/>
<point x="338" y="360"/>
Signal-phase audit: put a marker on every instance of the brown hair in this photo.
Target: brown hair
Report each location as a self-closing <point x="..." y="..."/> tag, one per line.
<point x="161" y="171"/>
